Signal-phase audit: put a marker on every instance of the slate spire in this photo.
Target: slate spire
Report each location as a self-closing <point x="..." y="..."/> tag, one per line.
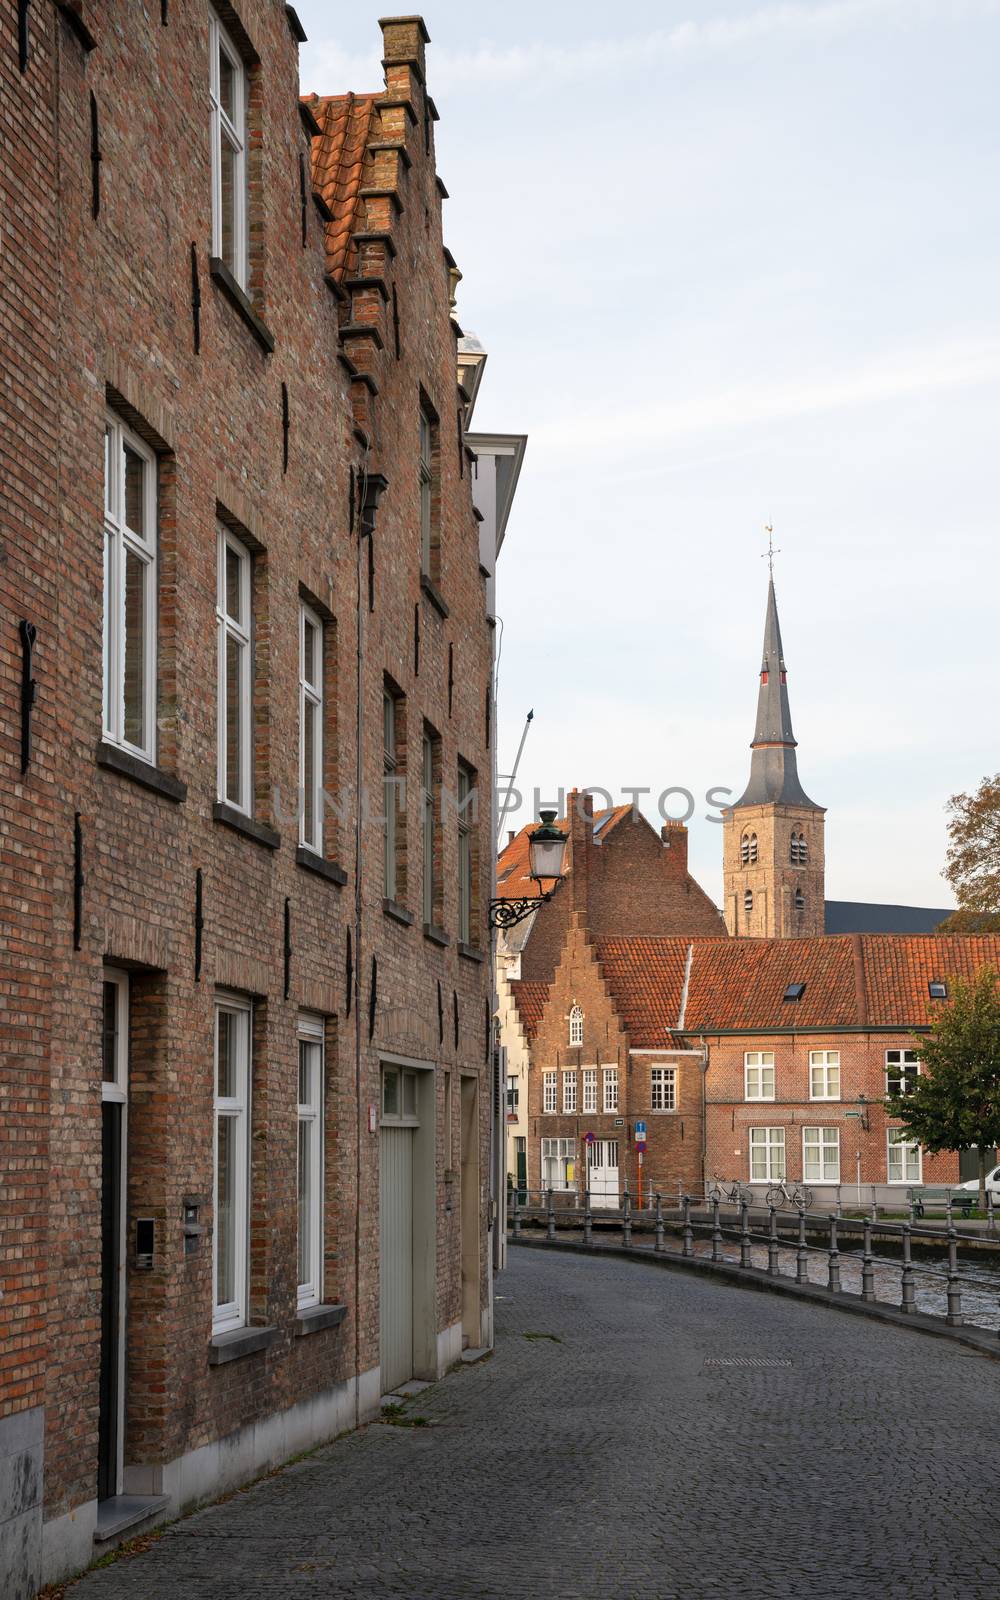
<point x="774" y="778"/>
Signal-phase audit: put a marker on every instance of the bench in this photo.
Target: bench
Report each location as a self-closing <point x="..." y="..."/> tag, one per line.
<point x="963" y="1201"/>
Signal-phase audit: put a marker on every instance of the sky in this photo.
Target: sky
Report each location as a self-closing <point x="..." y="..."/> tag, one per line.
<point x="734" y="263"/>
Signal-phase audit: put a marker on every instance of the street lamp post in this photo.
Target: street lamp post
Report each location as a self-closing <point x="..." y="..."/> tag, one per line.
<point x="546" y="851"/>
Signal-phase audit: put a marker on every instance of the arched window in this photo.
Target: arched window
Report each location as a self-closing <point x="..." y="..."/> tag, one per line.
<point x="800" y="900"/>
<point x="748" y="899"/>
<point x="748" y="849"/>
<point x="753" y="847"/>
<point x="576" y="1026"/>
<point x="798" y="854"/>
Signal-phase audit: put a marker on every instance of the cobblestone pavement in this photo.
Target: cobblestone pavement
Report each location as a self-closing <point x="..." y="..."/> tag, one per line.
<point x="627" y="1461"/>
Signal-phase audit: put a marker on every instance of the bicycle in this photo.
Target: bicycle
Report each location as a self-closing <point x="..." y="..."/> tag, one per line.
<point x="732" y="1194"/>
<point x="779" y="1193"/>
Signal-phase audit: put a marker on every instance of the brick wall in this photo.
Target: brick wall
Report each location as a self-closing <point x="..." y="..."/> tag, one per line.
<point x="772" y="880"/>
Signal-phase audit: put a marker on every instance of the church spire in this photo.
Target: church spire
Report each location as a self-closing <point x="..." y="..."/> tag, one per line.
<point x="774" y="778"/>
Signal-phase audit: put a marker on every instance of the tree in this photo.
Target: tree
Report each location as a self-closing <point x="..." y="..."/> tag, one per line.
<point x="954" y="1102"/>
<point x="973" y="858"/>
<point x="965" y="921"/>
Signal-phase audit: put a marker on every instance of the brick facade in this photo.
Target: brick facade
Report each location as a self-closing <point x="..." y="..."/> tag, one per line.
<point x="293" y="419"/>
<point x="787" y="901"/>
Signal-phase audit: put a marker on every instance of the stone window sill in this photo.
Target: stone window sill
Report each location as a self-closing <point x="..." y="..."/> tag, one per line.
<point x="470" y="952"/>
<point x="433" y="595"/>
<point x="320" y="865"/>
<point x="224" y="1347"/>
<point x="398" y="913"/>
<point x="259" y="832"/>
<point x="142" y="772"/>
<point x="235" y="295"/>
<point x="313" y="1319"/>
<point x="436" y="935"/>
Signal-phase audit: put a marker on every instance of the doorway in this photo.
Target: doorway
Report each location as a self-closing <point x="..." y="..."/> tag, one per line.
<point x="602" y="1174"/>
<point x="114" y="1136"/>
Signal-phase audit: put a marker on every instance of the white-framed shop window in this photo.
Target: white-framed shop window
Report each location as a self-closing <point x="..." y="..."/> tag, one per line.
<point x="821" y="1155"/>
<point x="663" y="1089"/>
<point x="758" y="1074"/>
<point x="230" y="1235"/>
<point x="902" y="1068"/>
<point x="903" y="1157"/>
<point x="611" y="1088"/>
<point x="311" y="640"/>
<point x="824" y="1074"/>
<point x="550" y="1092"/>
<point x="767" y="1154"/>
<point x="310" y="1161"/>
<point x="569" y="1092"/>
<point x="130" y="601"/>
<point x="558" y="1163"/>
<point x="234" y="619"/>
<point x="589" y="1089"/>
<point x="228" y="111"/>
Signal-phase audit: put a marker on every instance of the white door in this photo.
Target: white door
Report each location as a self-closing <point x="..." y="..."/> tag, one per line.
<point x="396" y="1233"/>
<point x="603" y="1173"/>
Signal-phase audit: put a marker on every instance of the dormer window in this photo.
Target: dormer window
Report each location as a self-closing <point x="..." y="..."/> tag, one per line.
<point x="794" y="991"/>
<point x="576" y="1026"/>
<point x="748" y="849"/>
<point x="748" y="900"/>
<point x="937" y="989"/>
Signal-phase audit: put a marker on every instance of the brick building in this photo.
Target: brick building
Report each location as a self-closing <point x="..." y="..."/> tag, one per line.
<point x="747" y="1059"/>
<point x="246" y="1077"/>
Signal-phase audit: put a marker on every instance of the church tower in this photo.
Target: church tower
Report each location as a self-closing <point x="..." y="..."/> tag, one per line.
<point x="772" y="861"/>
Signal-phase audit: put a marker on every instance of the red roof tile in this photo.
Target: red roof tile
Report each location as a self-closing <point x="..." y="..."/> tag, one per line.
<point x="529" y="996"/>
<point x="741" y="983"/>
<point x="646" y="981"/>
<point x="898" y="971"/>
<point x="338" y="156"/>
<point x="514" y="862"/>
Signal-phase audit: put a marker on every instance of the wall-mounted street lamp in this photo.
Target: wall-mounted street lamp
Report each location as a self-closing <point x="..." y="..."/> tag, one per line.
<point x="546" y="852"/>
<point x="862" y="1113"/>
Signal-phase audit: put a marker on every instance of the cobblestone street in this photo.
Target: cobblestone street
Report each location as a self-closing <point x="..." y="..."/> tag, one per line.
<point x="608" y="1450"/>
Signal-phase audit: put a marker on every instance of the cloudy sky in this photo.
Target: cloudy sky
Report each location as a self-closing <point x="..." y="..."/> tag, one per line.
<point x="735" y="263"/>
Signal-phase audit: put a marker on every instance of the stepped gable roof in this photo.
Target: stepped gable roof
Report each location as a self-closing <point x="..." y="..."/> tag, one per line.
<point x="530" y="996"/>
<point x="338" y="156"/>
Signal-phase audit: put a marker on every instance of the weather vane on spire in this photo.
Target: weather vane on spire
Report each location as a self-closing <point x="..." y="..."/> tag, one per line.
<point x="771" y="552"/>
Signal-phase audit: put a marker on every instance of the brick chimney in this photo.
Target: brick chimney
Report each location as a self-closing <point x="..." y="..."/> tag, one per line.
<point x="675" y="839"/>
<point x="580" y="815"/>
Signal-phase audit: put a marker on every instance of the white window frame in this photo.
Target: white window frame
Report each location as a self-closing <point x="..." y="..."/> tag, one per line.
<point x="569" y="1093"/>
<point x="233" y="132"/>
<point x="236" y="1108"/>
<point x="610" y="1090"/>
<point x="770" y="1143"/>
<point x="907" y="1065"/>
<point x="576" y="1027"/>
<point x="550" y="1093"/>
<point x="242" y="633"/>
<point x="115" y="1089"/>
<point x="895" y="1139"/>
<point x="513" y="1095"/>
<point x="121" y="541"/>
<point x="755" y="1064"/>
<point x="589" y="1091"/>
<point x="562" y="1152"/>
<point x="311" y="709"/>
<point x="826" y="1063"/>
<point x="311" y="1034"/>
<point x="818" y="1166"/>
<point x="663" y="1089"/>
<point x="407" y="1092"/>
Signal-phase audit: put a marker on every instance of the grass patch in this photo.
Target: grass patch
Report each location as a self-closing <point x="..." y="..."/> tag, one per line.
<point x="553" y="1337"/>
<point x="396" y="1417"/>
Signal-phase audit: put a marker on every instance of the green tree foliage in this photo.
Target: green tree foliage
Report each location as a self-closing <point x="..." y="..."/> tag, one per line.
<point x="964" y="921"/>
<point x="973" y="859"/>
<point x="954" y="1103"/>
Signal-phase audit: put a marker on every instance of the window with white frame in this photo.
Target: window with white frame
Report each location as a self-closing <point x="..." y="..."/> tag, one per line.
<point x="611" y="1088"/>
<point x="902" y="1068"/>
<point x="821" y="1155"/>
<point x="114" y="1037"/>
<point x="663" y="1088"/>
<point x="589" y="1089"/>
<point x="310" y="1161"/>
<point x="311" y="729"/>
<point x="569" y="1092"/>
<point x="232" y="1115"/>
<point x="228" y="110"/>
<point x="550" y="1091"/>
<point x="903" y="1157"/>
<point x="233" y="616"/>
<point x="576" y="1027"/>
<point x="129" y="591"/>
<point x="558" y="1163"/>
<point x="824" y="1074"/>
<point x="767" y="1154"/>
<point x="513" y="1096"/>
<point x="758" y="1074"/>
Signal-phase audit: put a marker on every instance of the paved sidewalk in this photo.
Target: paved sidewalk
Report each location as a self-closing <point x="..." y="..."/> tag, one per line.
<point x="623" y="1463"/>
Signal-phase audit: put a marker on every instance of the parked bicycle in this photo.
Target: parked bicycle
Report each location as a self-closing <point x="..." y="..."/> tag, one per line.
<point x="780" y="1194"/>
<point x="732" y="1194"/>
